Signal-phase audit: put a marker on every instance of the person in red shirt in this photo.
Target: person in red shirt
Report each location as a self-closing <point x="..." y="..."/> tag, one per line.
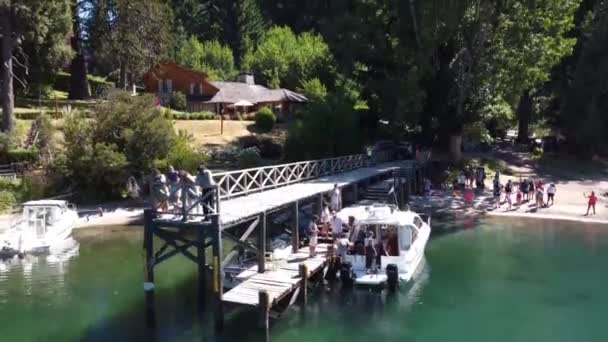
<point x="591" y="202"/>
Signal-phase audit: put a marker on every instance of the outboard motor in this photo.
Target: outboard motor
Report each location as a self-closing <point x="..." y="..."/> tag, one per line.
<point x="392" y="277"/>
<point x="346" y="274"/>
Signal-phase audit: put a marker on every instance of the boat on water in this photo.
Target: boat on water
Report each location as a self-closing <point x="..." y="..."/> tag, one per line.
<point x="398" y="237"/>
<point x="43" y="225"/>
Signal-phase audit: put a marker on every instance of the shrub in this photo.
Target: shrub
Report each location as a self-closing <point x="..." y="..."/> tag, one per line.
<point x="265" y="119"/>
<point x="270" y="149"/>
<point x="181" y="155"/>
<point x="178" y="101"/>
<point x="537" y="153"/>
<point x="18" y="155"/>
<point x="204" y="115"/>
<point x="7" y="184"/>
<point x="99" y="87"/>
<point x="7" y="201"/>
<point x="248" y="157"/>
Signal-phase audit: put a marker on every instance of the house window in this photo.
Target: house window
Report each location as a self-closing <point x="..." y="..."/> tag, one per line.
<point x="200" y="89"/>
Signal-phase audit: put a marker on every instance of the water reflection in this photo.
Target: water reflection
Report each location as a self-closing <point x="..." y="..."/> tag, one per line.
<point x="33" y="272"/>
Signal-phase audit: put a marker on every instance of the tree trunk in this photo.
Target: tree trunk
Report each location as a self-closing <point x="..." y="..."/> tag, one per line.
<point x="524" y="113"/>
<point x="122" y="80"/>
<point x="6" y="94"/>
<point x="456" y="147"/>
<point x="79" y="86"/>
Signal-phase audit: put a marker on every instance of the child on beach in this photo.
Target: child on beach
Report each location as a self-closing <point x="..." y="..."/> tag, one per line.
<point x="518" y="198"/>
<point x="591" y="202"/>
<point x="509" y="200"/>
<point x="497" y="187"/>
<point x="551" y="190"/>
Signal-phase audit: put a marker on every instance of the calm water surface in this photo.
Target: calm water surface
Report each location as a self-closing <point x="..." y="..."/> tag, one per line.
<point x="493" y="280"/>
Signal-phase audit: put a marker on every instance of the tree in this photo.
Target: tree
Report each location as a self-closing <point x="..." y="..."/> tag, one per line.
<point x="124" y="135"/>
<point x="41" y="24"/>
<point x="130" y="35"/>
<point x="585" y="104"/>
<point x="283" y="59"/>
<point x="210" y="57"/>
<point x="239" y="23"/>
<point x="79" y="86"/>
<point x="530" y="39"/>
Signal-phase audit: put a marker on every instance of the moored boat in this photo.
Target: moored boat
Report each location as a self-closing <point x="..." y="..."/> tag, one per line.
<point x="387" y="244"/>
<point x="43" y="225"/>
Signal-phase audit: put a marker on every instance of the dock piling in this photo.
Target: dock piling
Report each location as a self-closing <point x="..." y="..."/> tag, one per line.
<point x="218" y="286"/>
<point x="295" y="230"/>
<point x="149" y="266"/>
<point x="303" y="270"/>
<point x="202" y="267"/>
<point x="264" y="310"/>
<point x="262" y="245"/>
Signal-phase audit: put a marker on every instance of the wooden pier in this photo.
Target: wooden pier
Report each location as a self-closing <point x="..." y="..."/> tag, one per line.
<point x="247" y="199"/>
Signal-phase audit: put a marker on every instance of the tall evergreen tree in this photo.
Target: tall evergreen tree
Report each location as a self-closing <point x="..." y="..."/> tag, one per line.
<point x="130" y="35"/>
<point x="42" y="25"/>
<point x="79" y="86"/>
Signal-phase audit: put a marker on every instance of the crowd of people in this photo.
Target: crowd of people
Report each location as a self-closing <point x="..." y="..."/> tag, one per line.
<point x="179" y="189"/>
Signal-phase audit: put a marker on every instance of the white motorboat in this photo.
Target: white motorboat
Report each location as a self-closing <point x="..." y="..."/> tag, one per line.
<point x="399" y="237"/>
<point x="43" y="225"/>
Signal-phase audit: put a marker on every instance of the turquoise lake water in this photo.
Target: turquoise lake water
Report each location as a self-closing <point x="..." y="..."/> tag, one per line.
<point x="492" y="280"/>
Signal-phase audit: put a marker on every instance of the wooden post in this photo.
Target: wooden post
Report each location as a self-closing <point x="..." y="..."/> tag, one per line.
<point x="202" y="267"/>
<point x="221" y="124"/>
<point x="303" y="269"/>
<point x="149" y="266"/>
<point x="184" y="210"/>
<point x="262" y="245"/>
<point x="264" y="310"/>
<point x="218" y="286"/>
<point x="295" y="231"/>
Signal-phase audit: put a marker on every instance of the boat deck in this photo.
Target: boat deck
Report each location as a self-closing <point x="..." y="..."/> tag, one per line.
<point x="279" y="281"/>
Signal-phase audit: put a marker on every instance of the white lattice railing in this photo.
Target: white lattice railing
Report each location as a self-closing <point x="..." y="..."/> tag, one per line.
<point x="242" y="182"/>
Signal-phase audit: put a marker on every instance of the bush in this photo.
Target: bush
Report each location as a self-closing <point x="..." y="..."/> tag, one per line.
<point x="205" y="115"/>
<point x="7" y="201"/>
<point x="270" y="149"/>
<point x="7" y="184"/>
<point x="19" y="155"/>
<point x="537" y="153"/>
<point x="178" y="101"/>
<point x="248" y="157"/>
<point x="181" y="155"/>
<point x="265" y="119"/>
<point x="99" y="87"/>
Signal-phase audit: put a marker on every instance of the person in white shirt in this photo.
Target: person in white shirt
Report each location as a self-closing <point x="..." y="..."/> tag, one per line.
<point x="325" y="220"/>
<point x="342" y="246"/>
<point x="336" y="225"/>
<point x="551" y="190"/>
<point x="336" y="198"/>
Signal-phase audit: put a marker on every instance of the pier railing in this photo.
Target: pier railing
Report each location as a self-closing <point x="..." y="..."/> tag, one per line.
<point x="243" y="182"/>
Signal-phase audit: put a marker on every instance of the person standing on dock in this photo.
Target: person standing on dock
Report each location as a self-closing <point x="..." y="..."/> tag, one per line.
<point x="204" y="179"/>
<point x="336" y="198"/>
<point x="173" y="180"/>
<point x="336" y="225"/>
<point x="342" y="246"/>
<point x="313" y="234"/>
<point x="325" y="221"/>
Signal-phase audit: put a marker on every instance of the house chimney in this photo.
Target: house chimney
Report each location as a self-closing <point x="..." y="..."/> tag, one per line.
<point x="246" y="77"/>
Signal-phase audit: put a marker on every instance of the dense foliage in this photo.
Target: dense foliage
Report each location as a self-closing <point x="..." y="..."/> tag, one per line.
<point x="211" y="57"/>
<point x="125" y="135"/>
<point x="429" y="69"/>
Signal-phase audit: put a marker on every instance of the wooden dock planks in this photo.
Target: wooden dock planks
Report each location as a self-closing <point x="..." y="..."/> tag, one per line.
<point x="278" y="282"/>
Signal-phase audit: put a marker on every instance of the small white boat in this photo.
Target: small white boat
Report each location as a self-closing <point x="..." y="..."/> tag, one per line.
<point x="400" y="238"/>
<point x="43" y="225"/>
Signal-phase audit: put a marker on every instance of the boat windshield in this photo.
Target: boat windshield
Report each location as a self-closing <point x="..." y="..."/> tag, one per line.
<point x="384" y="239"/>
